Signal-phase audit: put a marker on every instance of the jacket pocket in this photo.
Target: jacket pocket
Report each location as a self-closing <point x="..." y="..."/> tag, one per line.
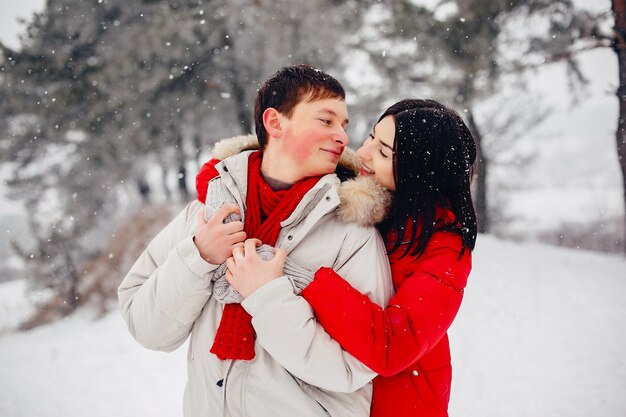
<point x="315" y="394"/>
<point x="432" y="384"/>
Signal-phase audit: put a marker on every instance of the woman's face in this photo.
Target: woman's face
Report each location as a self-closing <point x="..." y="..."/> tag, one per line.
<point x="376" y="153"/>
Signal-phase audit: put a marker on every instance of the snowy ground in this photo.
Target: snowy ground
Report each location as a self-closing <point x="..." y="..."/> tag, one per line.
<point x="541" y="333"/>
<point x="84" y="367"/>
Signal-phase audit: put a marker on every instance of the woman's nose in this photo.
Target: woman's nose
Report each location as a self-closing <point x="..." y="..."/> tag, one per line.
<point x="363" y="152"/>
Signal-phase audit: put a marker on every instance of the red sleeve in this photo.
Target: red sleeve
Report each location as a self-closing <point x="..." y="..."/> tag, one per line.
<point x="206" y="174"/>
<point x="417" y="317"/>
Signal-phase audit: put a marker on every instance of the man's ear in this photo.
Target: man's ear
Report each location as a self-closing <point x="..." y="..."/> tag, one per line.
<point x="272" y="120"/>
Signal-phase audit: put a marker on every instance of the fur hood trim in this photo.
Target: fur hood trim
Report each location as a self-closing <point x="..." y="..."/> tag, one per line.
<point x="363" y="200"/>
<point x="233" y="146"/>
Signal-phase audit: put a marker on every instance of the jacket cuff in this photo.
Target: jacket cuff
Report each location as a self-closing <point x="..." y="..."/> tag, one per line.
<point x="324" y="283"/>
<point x="190" y="255"/>
<point x="267" y="294"/>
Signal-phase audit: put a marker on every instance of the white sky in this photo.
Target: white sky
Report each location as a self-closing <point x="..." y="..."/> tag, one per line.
<point x="10" y="11"/>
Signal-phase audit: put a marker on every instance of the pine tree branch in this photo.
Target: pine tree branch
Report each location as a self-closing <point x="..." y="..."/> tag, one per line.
<point x="562" y="56"/>
<point x="568" y="55"/>
<point x="5" y="51"/>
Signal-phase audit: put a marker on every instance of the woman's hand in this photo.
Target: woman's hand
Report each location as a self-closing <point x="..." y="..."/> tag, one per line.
<point x="247" y="271"/>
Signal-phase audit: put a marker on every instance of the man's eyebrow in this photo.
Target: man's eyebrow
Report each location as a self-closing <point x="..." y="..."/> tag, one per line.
<point x="381" y="142"/>
<point x="333" y="113"/>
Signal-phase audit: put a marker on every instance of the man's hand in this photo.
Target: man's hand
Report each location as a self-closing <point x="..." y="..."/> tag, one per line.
<point x="247" y="271"/>
<point x="214" y="238"/>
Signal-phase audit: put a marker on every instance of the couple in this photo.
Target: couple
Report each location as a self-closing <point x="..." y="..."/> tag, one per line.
<point x="304" y="329"/>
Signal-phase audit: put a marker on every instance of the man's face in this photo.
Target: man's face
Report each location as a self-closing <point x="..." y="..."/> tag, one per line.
<point x="315" y="136"/>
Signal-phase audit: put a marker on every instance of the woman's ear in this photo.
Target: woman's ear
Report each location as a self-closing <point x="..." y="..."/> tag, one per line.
<point x="272" y="120"/>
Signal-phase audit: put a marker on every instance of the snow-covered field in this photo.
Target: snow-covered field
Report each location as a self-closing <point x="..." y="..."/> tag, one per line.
<point x="81" y="367"/>
<point x="541" y="333"/>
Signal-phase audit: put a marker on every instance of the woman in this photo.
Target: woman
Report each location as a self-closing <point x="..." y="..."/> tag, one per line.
<point x="422" y="152"/>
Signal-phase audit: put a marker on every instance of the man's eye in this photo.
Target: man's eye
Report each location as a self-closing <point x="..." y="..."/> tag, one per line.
<point x="326" y="121"/>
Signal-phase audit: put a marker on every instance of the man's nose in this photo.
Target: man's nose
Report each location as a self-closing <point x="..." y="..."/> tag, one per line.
<point x="342" y="137"/>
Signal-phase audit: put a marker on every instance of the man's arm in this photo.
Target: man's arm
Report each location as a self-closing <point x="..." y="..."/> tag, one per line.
<point x="286" y="326"/>
<point x="166" y="289"/>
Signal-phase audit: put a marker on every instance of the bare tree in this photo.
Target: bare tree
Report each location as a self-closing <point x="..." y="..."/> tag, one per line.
<point x="460" y="55"/>
<point x="101" y="90"/>
<point x="619" y="46"/>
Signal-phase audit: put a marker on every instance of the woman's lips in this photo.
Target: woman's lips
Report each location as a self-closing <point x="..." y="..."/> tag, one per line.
<point x="365" y="170"/>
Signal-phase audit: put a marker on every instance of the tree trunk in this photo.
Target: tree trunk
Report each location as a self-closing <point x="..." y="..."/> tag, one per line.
<point x="166" y="189"/>
<point x="241" y="103"/>
<point x="197" y="145"/>
<point x="480" y="200"/>
<point x="72" y="294"/>
<point x="182" y="182"/>
<point x="619" y="45"/>
<point x="238" y="88"/>
<point x="182" y="171"/>
<point x="143" y="188"/>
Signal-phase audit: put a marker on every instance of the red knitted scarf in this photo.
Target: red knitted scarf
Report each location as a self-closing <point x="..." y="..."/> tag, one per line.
<point x="265" y="210"/>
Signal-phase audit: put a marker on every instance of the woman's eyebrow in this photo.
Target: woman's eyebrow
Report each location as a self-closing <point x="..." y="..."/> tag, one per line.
<point x="381" y="142"/>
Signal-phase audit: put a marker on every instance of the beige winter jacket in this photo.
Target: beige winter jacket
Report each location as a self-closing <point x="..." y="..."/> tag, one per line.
<point x="298" y="369"/>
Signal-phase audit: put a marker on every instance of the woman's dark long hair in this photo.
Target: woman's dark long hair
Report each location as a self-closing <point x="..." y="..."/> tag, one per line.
<point x="434" y="153"/>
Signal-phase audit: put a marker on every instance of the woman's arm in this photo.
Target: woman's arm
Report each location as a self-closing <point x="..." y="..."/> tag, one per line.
<point x="287" y="329"/>
<point x="389" y="340"/>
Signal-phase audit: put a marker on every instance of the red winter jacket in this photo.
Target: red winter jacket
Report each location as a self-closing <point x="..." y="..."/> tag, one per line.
<point x="406" y="343"/>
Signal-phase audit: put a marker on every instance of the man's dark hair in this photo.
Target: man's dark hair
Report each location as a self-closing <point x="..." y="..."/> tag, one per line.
<point x="288" y="87"/>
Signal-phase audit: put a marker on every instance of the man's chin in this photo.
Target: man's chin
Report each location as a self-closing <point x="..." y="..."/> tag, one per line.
<point x="322" y="169"/>
<point x="330" y="169"/>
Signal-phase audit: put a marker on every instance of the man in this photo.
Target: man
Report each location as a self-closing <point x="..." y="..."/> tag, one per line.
<point x="287" y="194"/>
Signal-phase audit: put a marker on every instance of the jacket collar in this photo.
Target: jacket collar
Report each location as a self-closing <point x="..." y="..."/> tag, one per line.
<point x="362" y="200"/>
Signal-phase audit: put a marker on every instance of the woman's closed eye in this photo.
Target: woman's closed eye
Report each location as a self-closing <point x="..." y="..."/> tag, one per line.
<point x="380" y="149"/>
